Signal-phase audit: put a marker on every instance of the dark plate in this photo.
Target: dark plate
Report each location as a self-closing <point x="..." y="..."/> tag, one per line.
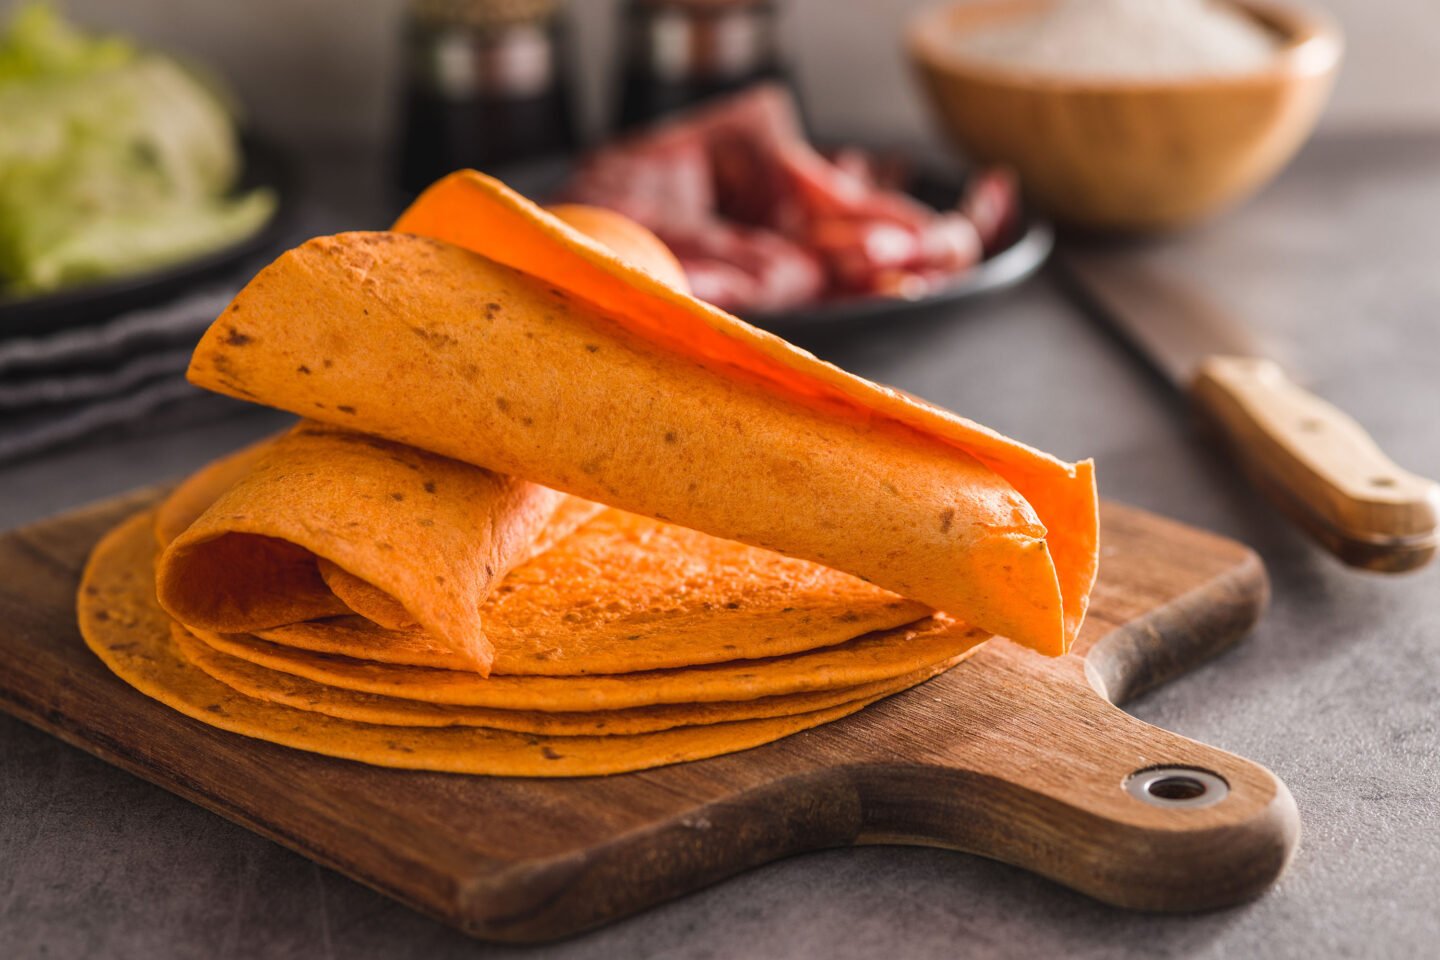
<point x="1003" y="269"/>
<point x="94" y="302"/>
<point x="939" y="188"/>
<point x="931" y="182"/>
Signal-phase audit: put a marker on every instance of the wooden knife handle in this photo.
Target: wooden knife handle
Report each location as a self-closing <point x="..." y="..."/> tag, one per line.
<point x="1320" y="466"/>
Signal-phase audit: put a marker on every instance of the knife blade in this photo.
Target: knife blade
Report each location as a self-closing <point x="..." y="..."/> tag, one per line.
<point x="1310" y="458"/>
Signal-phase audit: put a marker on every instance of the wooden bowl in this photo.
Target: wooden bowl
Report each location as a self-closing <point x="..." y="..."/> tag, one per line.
<point x="1123" y="153"/>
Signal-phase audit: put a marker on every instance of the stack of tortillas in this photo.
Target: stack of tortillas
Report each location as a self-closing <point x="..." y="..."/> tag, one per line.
<point x="548" y="515"/>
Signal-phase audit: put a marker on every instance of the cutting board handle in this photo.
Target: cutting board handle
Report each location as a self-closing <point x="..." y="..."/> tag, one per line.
<point x="1069" y="786"/>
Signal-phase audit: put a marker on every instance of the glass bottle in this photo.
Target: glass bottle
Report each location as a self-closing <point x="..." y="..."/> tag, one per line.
<point x="679" y="52"/>
<point x="485" y="85"/>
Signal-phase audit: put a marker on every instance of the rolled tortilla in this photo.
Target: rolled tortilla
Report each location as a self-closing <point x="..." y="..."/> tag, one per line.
<point x="400" y="522"/>
<point x="318" y="524"/>
<point x="591" y="376"/>
<point x="622" y="594"/>
<point x="374" y="604"/>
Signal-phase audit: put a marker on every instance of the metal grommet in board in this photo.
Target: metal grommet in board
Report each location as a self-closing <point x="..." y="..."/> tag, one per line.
<point x="1177" y="787"/>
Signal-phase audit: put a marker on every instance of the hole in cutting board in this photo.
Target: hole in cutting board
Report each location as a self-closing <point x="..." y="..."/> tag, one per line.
<point x="1176" y="787"/>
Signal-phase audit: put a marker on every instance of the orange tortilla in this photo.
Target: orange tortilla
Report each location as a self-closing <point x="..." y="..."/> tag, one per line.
<point x="193" y="496"/>
<point x="273" y="686"/>
<point x="437" y="533"/>
<point x="272" y="577"/>
<point x="593" y="377"/>
<point x="380" y="607"/>
<point x="124" y="626"/>
<point x="623" y="594"/>
<point x="626" y="594"/>
<point x="872" y="658"/>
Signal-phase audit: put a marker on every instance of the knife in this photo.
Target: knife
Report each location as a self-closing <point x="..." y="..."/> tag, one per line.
<point x="1310" y="458"/>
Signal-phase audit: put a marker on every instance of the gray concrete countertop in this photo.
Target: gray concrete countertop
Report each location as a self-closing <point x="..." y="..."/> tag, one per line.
<point x="1337" y="690"/>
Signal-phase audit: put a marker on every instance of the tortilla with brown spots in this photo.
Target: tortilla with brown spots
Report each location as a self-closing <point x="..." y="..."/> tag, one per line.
<point x="325" y="521"/>
<point x="879" y="656"/>
<point x="622" y="594"/>
<point x="536" y="352"/>
<point x="125" y="627"/>
<point x="434" y="533"/>
<point x="288" y="690"/>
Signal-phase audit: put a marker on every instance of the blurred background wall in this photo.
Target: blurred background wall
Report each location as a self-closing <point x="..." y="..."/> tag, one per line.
<point x="323" y="70"/>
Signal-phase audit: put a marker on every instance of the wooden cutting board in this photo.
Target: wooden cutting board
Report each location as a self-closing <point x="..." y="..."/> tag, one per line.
<point x="1011" y="756"/>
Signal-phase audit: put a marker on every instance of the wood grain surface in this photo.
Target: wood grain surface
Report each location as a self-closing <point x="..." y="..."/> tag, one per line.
<point x="1320" y="466"/>
<point x="1011" y="756"/>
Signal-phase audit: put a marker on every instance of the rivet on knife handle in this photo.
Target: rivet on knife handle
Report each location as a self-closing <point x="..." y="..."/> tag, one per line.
<point x="1320" y="465"/>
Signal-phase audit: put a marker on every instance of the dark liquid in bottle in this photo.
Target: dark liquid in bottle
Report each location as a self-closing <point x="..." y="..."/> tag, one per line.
<point x="481" y="96"/>
<point x="678" y="54"/>
<point x="444" y="135"/>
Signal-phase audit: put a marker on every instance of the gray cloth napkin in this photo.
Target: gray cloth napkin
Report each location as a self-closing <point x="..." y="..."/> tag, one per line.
<point x="61" y="387"/>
